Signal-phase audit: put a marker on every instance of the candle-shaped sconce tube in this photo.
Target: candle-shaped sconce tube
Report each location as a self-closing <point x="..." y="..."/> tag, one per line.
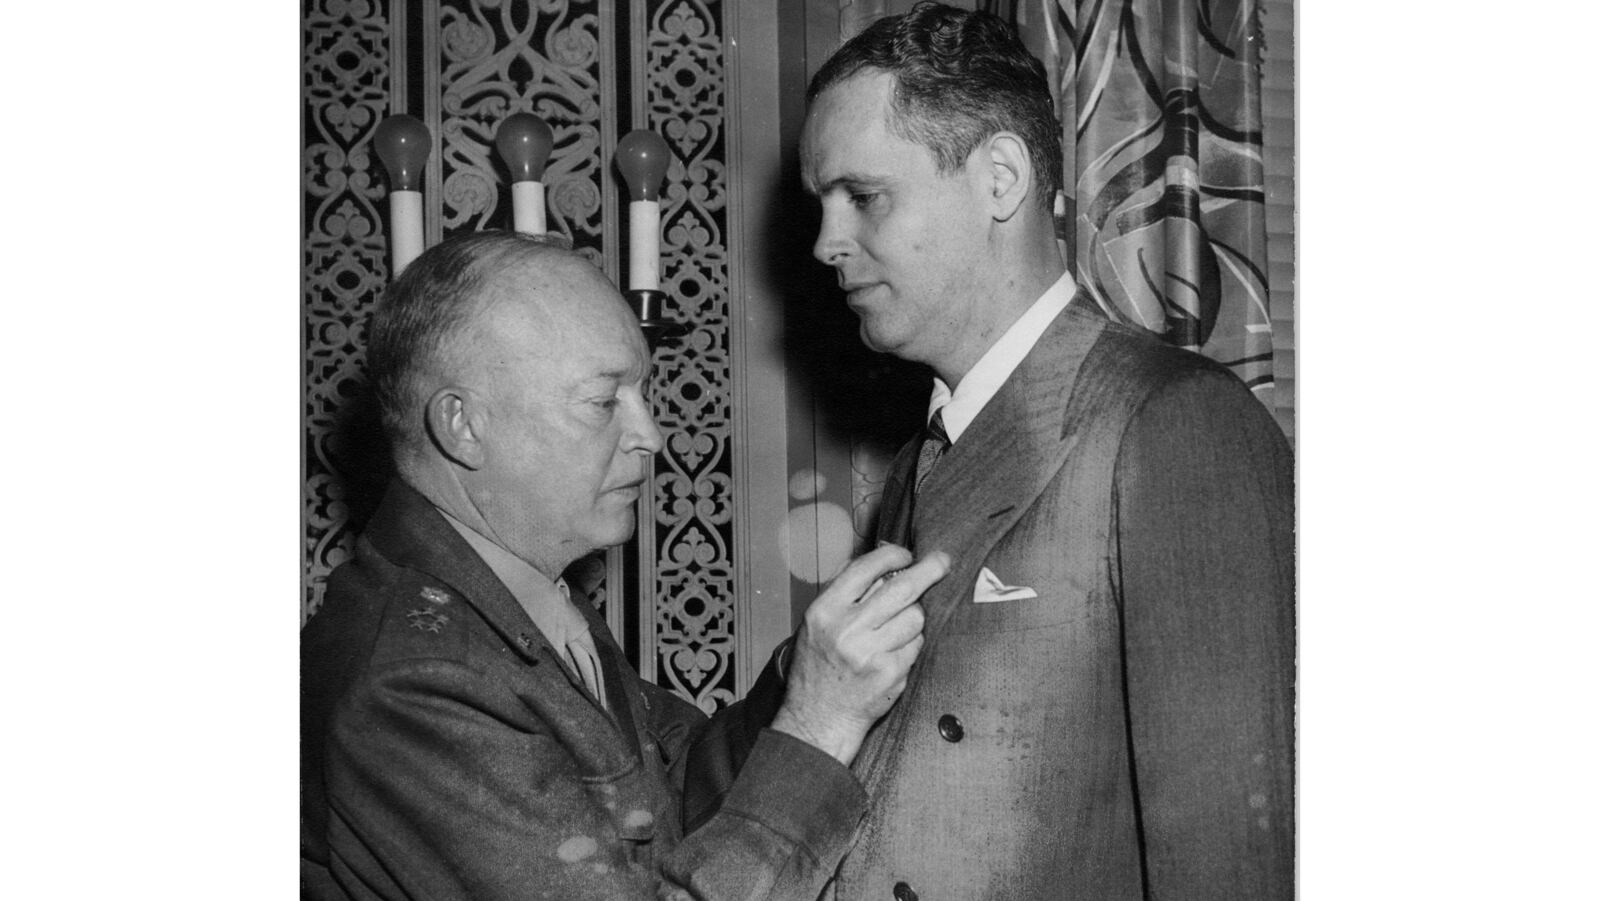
<point x="524" y="142"/>
<point x="402" y="143"/>
<point x="642" y="157"/>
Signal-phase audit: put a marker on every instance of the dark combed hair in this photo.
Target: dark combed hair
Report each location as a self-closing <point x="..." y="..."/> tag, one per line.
<point x="432" y="302"/>
<point x="960" y="77"/>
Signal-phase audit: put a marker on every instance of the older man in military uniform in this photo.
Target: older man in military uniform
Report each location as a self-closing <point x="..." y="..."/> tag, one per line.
<point x="468" y="730"/>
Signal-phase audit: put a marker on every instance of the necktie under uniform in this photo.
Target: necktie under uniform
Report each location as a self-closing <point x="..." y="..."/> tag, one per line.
<point x="580" y="651"/>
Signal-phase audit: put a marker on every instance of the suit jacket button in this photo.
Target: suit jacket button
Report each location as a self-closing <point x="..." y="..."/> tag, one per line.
<point x="903" y="892"/>
<point x="950" y="728"/>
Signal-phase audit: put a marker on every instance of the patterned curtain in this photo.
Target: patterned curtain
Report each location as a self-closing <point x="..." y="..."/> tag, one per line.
<point x="1165" y="219"/>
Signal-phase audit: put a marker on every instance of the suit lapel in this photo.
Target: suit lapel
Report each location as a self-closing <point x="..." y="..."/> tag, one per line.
<point x="1005" y="458"/>
<point x="985" y="482"/>
<point x="894" y="511"/>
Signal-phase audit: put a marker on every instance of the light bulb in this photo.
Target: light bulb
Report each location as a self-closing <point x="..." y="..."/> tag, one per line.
<point x="402" y="143"/>
<point x="524" y="142"/>
<point x="642" y="157"/>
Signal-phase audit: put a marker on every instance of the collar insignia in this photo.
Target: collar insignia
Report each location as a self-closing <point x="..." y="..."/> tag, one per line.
<point x="427" y="619"/>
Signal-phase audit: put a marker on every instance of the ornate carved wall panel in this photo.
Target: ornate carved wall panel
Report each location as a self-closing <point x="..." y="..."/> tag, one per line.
<point x="592" y="70"/>
<point x="692" y="634"/>
<point x="496" y="59"/>
<point x="344" y="267"/>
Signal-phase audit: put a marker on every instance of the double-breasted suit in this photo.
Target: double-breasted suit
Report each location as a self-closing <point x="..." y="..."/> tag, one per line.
<point x="448" y="753"/>
<point x="1126" y="732"/>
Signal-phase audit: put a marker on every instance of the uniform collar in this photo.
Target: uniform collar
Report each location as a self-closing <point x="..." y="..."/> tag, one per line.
<point x="547" y="603"/>
<point x="408" y="530"/>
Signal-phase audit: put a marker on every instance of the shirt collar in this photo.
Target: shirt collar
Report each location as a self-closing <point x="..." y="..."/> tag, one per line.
<point x="547" y="603"/>
<point x="1002" y="358"/>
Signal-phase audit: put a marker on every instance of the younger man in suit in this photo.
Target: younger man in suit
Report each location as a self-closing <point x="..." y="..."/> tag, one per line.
<point x="1104" y="707"/>
<point x="468" y="731"/>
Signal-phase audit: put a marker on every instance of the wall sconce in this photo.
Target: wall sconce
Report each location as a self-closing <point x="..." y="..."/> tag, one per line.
<point x="524" y="142"/>
<point x="402" y="143"/>
<point x="642" y="158"/>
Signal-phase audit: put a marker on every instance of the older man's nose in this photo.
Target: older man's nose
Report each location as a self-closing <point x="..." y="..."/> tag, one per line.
<point x="831" y="246"/>
<point x="646" y="435"/>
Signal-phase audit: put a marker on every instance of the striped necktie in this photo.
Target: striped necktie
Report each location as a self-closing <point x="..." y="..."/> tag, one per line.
<point x="935" y="441"/>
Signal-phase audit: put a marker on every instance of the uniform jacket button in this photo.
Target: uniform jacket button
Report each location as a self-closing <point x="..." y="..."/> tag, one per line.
<point x="950" y="728"/>
<point x="904" y="892"/>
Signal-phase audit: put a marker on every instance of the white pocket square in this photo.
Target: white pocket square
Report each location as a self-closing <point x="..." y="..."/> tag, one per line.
<point x="990" y="589"/>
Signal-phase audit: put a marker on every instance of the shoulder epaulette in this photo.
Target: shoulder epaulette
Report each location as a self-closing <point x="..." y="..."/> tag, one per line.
<point x="422" y="618"/>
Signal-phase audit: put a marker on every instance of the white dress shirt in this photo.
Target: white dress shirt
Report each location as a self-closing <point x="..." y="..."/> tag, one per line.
<point x="999" y="361"/>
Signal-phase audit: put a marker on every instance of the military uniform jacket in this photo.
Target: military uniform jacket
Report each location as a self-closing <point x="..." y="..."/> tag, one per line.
<point x="448" y="754"/>
<point x="1127" y="731"/>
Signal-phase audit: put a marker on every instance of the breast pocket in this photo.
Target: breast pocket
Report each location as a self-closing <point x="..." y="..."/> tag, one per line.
<point x="1018" y="589"/>
<point x="1046" y="610"/>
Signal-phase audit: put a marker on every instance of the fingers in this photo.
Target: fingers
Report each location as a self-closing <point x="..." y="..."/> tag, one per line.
<point x="907" y="655"/>
<point x="900" y="661"/>
<point x="860" y="574"/>
<point x="901" y="590"/>
<point x="856" y="648"/>
<point x="901" y="629"/>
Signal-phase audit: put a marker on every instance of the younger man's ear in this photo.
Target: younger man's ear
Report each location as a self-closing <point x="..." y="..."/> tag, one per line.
<point x="1011" y="172"/>
<point x="453" y="420"/>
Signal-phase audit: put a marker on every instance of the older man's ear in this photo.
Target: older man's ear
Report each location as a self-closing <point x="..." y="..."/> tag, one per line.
<point x="453" y="419"/>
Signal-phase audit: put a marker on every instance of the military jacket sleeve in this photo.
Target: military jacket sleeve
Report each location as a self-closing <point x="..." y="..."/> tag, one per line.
<point x="454" y="775"/>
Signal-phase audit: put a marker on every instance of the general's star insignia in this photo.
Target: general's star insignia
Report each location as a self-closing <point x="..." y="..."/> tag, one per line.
<point x="427" y="619"/>
<point x="435" y="595"/>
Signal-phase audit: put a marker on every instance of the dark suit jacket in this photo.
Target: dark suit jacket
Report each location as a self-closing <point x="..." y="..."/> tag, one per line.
<point x="448" y="753"/>
<point x="1128" y="733"/>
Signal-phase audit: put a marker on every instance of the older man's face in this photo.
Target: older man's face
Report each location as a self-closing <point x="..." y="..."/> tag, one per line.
<point x="567" y="431"/>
